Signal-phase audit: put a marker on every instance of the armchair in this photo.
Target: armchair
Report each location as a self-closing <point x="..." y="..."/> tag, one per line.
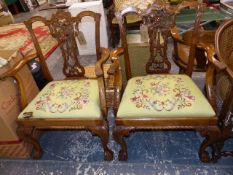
<point x="162" y="101"/>
<point x="182" y="50"/>
<point x="78" y="102"/>
<point x="219" y="83"/>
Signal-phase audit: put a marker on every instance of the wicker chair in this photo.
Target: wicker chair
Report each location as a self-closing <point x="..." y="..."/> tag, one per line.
<point x="78" y="102"/>
<point x="161" y="101"/>
<point x="219" y="83"/>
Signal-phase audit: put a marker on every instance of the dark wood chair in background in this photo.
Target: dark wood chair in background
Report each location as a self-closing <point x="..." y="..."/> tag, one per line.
<point x="219" y="83"/>
<point x="132" y="20"/>
<point x="162" y="101"/>
<point x="78" y="102"/>
<point x="181" y="53"/>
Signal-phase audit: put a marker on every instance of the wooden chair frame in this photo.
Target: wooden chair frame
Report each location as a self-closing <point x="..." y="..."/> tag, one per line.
<point x="220" y="66"/>
<point x="199" y="57"/>
<point x="207" y="127"/>
<point x="63" y="22"/>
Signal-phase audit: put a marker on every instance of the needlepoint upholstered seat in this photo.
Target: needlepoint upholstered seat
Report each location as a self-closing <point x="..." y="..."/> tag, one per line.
<point x="162" y="95"/>
<point x="66" y="99"/>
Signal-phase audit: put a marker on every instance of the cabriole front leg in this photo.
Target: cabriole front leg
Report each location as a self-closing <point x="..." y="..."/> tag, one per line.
<point x="212" y="140"/>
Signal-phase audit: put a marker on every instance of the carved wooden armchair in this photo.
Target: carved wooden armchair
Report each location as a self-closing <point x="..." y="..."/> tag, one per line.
<point x="182" y="53"/>
<point x="161" y="100"/>
<point x="78" y="102"/>
<point x="132" y="19"/>
<point x="219" y="83"/>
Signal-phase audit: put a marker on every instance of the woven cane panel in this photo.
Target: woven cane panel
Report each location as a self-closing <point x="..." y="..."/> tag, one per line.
<point x="223" y="84"/>
<point x="226" y="46"/>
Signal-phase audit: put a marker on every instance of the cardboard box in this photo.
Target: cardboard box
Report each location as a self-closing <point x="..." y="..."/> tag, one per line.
<point x="10" y="144"/>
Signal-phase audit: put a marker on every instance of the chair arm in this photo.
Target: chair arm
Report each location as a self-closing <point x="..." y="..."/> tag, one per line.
<point x="114" y="71"/>
<point x="13" y="73"/>
<point x="104" y="57"/>
<point x="176" y="36"/>
<point x="210" y="53"/>
<point x="114" y="56"/>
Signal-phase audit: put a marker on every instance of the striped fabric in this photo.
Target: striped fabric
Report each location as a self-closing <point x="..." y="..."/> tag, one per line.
<point x="19" y="150"/>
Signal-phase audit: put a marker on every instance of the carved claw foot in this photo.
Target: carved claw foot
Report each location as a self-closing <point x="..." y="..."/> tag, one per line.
<point x="108" y="154"/>
<point x="118" y="134"/>
<point x="102" y="133"/>
<point x="25" y="134"/>
<point x="212" y="140"/>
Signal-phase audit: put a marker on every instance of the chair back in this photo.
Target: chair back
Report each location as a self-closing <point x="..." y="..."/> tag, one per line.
<point x="223" y="43"/>
<point x="65" y="29"/>
<point x="159" y="18"/>
<point x="219" y="81"/>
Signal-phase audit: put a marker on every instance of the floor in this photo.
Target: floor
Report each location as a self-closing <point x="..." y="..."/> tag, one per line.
<point x="78" y="152"/>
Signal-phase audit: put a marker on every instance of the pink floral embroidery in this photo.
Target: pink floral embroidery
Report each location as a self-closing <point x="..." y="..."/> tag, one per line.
<point x="161" y="95"/>
<point x="68" y="97"/>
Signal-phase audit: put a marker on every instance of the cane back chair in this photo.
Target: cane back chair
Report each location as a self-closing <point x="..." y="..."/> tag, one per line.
<point x="162" y="101"/>
<point x="219" y="83"/>
<point x="78" y="102"/>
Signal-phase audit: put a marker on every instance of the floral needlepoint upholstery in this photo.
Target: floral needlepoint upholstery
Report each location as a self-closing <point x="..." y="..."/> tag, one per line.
<point x="66" y="99"/>
<point x="163" y="96"/>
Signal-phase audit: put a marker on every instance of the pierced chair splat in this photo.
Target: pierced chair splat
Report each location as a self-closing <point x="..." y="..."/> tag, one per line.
<point x="78" y="102"/>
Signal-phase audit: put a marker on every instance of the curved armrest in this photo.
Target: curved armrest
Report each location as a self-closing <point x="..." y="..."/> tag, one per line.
<point x="104" y="57"/>
<point x="176" y="36"/>
<point x="114" y="55"/>
<point x="114" y="71"/>
<point x="210" y="53"/>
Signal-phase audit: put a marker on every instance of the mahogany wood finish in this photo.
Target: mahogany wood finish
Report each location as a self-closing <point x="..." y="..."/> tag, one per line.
<point x="160" y="17"/>
<point x="183" y="54"/>
<point x="64" y="28"/>
<point x="220" y="83"/>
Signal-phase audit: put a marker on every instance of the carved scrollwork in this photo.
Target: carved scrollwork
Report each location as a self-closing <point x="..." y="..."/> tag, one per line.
<point x="212" y="140"/>
<point x="62" y="28"/>
<point x="159" y="21"/>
